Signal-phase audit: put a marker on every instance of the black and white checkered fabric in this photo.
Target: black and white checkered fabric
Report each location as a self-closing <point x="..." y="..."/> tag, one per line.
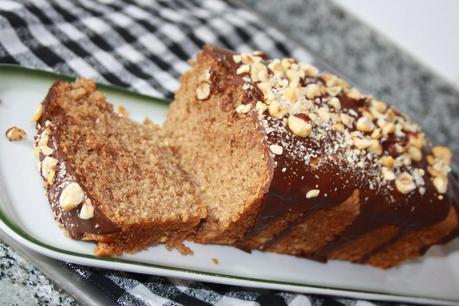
<point x="144" y="46"/>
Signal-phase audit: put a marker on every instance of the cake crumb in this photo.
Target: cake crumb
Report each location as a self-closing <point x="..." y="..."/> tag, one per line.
<point x="215" y="261"/>
<point x="15" y="134"/>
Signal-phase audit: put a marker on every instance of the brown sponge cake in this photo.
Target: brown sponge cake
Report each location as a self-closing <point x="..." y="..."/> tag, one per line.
<point x="223" y="152"/>
<point x="293" y="161"/>
<point x="110" y="179"/>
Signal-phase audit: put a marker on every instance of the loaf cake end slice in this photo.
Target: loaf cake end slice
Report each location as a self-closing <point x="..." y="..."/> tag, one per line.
<point x="110" y="179"/>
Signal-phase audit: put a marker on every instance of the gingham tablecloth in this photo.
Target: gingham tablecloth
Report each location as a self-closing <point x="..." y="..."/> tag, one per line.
<point x="144" y="46"/>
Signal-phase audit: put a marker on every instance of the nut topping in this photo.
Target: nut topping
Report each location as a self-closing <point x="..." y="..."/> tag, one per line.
<point x="364" y="124"/>
<point x="388" y="175"/>
<point x="15" y="134"/>
<point x="313" y="193"/>
<point x="415" y="153"/>
<point x="243" y="108"/>
<point x="298" y="126"/>
<point x="87" y="210"/>
<point x="48" y="168"/>
<point x="38" y="112"/>
<point x="440" y="183"/>
<point x="404" y="183"/>
<point x="203" y="91"/>
<point x="71" y="196"/>
<point x="442" y="153"/>
<point x="276" y="149"/>
<point x="277" y="110"/>
<point x="343" y="125"/>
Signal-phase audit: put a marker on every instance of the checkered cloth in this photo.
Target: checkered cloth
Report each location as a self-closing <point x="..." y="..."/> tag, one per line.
<point x="143" y="46"/>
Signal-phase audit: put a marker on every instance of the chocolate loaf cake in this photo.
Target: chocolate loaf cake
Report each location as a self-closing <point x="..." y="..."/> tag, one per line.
<point x="293" y="161"/>
<point x="109" y="179"/>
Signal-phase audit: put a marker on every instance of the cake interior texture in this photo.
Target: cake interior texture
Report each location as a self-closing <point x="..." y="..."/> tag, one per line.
<point x="138" y="193"/>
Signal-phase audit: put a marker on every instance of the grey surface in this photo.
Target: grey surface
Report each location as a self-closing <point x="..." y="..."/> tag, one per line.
<point x="21" y="283"/>
<point x="355" y="52"/>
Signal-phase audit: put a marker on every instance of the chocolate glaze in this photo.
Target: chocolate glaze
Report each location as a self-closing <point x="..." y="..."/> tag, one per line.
<point x="71" y="221"/>
<point x="293" y="176"/>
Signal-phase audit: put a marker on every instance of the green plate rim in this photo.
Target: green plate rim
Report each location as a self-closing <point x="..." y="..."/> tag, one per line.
<point x="56" y="75"/>
<point x="116" y="89"/>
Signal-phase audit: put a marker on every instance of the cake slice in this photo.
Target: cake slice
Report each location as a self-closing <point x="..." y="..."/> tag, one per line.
<point x="293" y="161"/>
<point x="110" y="179"/>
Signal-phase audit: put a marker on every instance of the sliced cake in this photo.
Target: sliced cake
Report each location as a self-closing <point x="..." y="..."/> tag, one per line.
<point x="108" y="178"/>
<point x="293" y="161"/>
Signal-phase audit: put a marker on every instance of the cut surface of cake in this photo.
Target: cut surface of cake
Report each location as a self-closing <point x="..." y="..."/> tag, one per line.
<point x="294" y="161"/>
<point x="110" y="179"/>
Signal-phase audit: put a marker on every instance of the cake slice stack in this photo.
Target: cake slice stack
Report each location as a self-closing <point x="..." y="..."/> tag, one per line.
<point x="294" y="161"/>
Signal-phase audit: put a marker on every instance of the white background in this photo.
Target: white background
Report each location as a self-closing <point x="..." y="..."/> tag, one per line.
<point x="427" y="29"/>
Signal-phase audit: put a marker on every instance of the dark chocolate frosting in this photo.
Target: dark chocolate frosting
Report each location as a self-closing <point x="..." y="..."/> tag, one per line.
<point x="49" y="122"/>
<point x="322" y="162"/>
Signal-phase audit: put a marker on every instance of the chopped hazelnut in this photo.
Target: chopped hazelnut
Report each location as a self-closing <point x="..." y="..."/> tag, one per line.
<point x="378" y="106"/>
<point x="334" y="91"/>
<point x="71" y="196"/>
<point x="355" y="94"/>
<point x="364" y="124"/>
<point x="375" y="147"/>
<point x="298" y="126"/>
<point x="265" y="87"/>
<point x="418" y="141"/>
<point x="329" y="79"/>
<point x="312" y="91"/>
<point x="376" y="134"/>
<point x="361" y="143"/>
<point x="346" y="119"/>
<point x="415" y="153"/>
<point x="48" y="169"/>
<point x="338" y="126"/>
<point x="313" y="193"/>
<point x="276" y="66"/>
<point x="404" y="183"/>
<point x="38" y="112"/>
<point x="244" y="108"/>
<point x="203" y="91"/>
<point x="334" y="102"/>
<point x="294" y="77"/>
<point x="324" y="114"/>
<point x="15" y="134"/>
<point x="243" y="69"/>
<point x="87" y="210"/>
<point x="290" y="94"/>
<point x="46" y="150"/>
<point x="441" y="184"/>
<point x="256" y="69"/>
<point x="44" y="138"/>
<point x="442" y="153"/>
<point x="387" y="174"/>
<point x="386" y="127"/>
<point x="261" y="108"/>
<point x="237" y="58"/>
<point x="276" y="110"/>
<point x="387" y="161"/>
<point x="276" y="149"/>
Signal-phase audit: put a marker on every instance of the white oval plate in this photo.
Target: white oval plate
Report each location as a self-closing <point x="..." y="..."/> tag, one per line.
<point x="26" y="217"/>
